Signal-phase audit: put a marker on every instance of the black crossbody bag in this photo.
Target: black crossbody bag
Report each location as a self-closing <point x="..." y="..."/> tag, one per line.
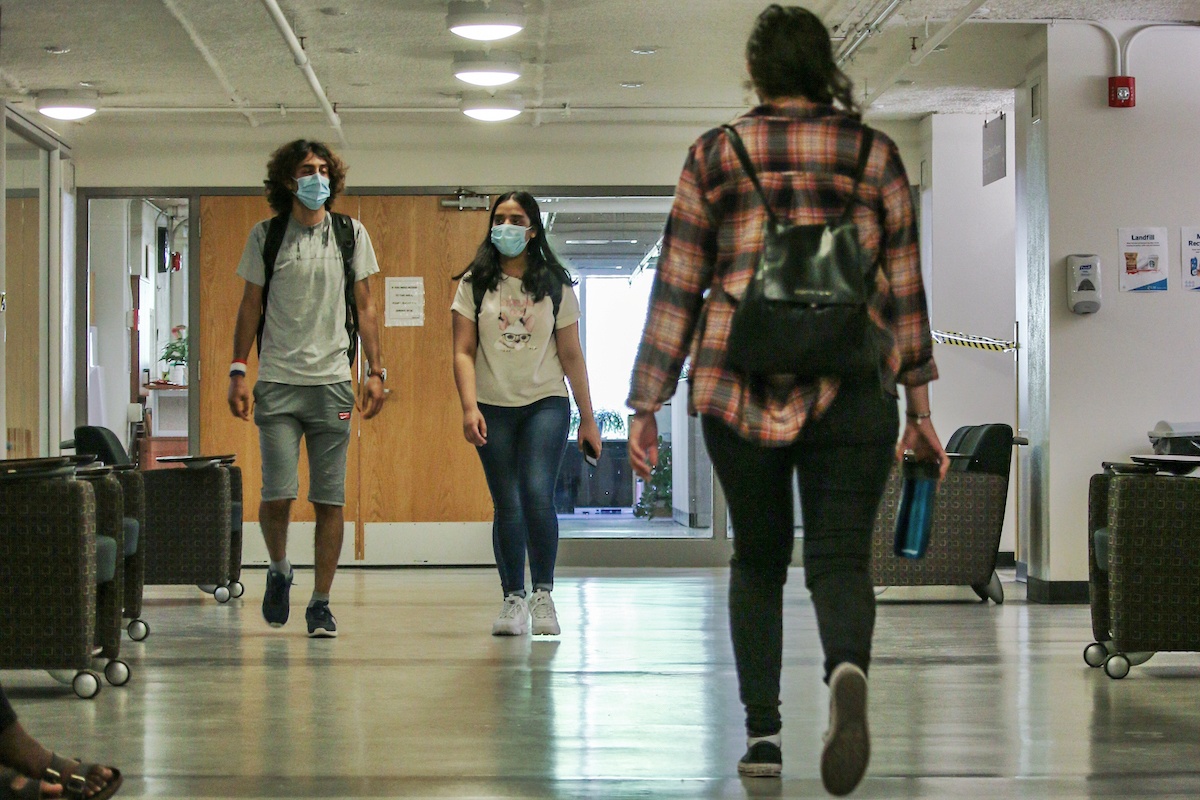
<point x="805" y="310"/>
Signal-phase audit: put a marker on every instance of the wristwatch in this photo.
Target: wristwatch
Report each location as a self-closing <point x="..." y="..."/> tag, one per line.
<point x="380" y="373"/>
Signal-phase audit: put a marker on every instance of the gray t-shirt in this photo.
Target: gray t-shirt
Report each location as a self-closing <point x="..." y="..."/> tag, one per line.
<point x="516" y="359"/>
<point x="304" y="338"/>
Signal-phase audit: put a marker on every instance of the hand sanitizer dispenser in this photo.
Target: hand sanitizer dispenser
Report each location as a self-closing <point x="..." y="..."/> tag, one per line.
<point x="1083" y="283"/>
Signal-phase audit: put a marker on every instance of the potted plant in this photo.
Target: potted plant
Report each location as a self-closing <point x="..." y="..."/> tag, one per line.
<point x="175" y="355"/>
<point x="656" y="496"/>
<point x="607" y="420"/>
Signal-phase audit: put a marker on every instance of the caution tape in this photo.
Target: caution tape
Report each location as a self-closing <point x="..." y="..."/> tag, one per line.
<point x="977" y="342"/>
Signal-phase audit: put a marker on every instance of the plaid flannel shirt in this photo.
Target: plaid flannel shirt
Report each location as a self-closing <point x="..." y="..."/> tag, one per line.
<point x="805" y="154"/>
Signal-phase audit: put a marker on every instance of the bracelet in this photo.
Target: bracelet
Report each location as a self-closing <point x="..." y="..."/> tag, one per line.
<point x="917" y="416"/>
<point x="237" y="368"/>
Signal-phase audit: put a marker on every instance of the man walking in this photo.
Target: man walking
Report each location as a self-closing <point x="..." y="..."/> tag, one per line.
<point x="308" y="297"/>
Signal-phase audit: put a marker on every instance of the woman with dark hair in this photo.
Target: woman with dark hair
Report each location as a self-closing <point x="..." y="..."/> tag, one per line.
<point x="836" y="434"/>
<point x="28" y="771"/>
<point x="516" y="337"/>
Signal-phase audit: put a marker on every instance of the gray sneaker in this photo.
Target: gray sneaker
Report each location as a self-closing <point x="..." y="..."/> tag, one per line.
<point x="513" y="619"/>
<point x="545" y="618"/>
<point x="847" y="742"/>
<point x="276" y="598"/>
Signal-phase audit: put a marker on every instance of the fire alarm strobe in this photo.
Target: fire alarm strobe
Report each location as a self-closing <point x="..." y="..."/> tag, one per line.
<point x="1120" y="92"/>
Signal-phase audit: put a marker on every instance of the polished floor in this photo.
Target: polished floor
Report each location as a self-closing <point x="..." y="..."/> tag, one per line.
<point x="636" y="699"/>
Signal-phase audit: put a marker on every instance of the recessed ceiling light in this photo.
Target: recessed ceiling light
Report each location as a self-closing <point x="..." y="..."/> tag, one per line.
<point x="66" y="105"/>
<point x="349" y="51"/>
<point x="632" y="84"/>
<point x="485" y="22"/>
<point x="487" y="69"/>
<point x="644" y="50"/>
<point x="492" y="108"/>
<point x="87" y="84"/>
<point x="56" y="50"/>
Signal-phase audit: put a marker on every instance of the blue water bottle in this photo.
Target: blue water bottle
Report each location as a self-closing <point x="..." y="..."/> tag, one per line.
<point x="915" y="519"/>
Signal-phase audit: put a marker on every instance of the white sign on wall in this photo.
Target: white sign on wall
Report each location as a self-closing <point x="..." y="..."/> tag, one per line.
<point x="1189" y="260"/>
<point x="405" y="302"/>
<point x="1142" y="259"/>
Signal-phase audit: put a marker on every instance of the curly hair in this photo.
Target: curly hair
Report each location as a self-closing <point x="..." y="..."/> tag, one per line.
<point x="544" y="268"/>
<point x="790" y="55"/>
<point x="281" y="173"/>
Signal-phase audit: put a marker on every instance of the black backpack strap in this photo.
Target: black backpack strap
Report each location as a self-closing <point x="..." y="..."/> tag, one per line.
<point x="556" y="294"/>
<point x="343" y="233"/>
<point x="274" y="240"/>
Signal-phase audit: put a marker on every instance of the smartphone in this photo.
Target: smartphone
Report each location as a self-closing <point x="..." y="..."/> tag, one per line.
<point x="589" y="455"/>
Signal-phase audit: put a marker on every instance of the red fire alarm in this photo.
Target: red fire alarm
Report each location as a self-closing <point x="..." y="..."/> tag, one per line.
<point x="1121" y="93"/>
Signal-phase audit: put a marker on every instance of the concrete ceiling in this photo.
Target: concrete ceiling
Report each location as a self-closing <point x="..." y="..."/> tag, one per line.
<point x="162" y="59"/>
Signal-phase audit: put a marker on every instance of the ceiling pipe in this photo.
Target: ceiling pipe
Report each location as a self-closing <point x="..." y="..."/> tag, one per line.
<point x="210" y="59"/>
<point x="301" y="59"/>
<point x="543" y="34"/>
<point x="943" y="33"/>
<point x="864" y="33"/>
<point x="1123" y="59"/>
<point x="553" y="108"/>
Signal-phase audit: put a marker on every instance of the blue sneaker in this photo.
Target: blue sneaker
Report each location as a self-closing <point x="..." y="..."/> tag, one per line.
<point x="275" y="601"/>
<point x="321" y="624"/>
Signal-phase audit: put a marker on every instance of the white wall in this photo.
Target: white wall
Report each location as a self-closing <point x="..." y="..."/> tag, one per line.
<point x="108" y="265"/>
<point x="970" y="250"/>
<point x="1113" y="374"/>
<point x="476" y="155"/>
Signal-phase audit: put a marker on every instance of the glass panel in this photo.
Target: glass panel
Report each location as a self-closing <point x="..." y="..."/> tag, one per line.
<point x="26" y="413"/>
<point x="137" y="272"/>
<point x="611" y="244"/>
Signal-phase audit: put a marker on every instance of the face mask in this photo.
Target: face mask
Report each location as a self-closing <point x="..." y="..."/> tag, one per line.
<point x="313" y="190"/>
<point x="509" y="239"/>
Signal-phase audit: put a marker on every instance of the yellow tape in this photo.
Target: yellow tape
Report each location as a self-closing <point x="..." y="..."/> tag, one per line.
<point x="977" y="342"/>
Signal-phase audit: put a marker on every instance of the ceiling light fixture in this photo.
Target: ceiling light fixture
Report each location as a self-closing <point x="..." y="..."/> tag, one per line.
<point x="492" y="108"/>
<point x="66" y="105"/>
<point x="644" y="50"/>
<point x="485" y="22"/>
<point x="632" y="84"/>
<point x="487" y="69"/>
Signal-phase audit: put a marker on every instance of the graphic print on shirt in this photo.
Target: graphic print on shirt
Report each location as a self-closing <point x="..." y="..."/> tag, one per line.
<point x="516" y="324"/>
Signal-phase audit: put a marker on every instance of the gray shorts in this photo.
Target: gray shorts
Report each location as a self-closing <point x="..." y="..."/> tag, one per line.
<point x="321" y="414"/>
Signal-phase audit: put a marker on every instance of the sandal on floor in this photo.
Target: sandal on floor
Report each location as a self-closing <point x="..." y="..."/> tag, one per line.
<point x="32" y="790"/>
<point x="74" y="776"/>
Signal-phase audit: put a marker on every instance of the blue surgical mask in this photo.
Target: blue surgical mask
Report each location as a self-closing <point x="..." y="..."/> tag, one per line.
<point x="313" y="190"/>
<point x="509" y="239"/>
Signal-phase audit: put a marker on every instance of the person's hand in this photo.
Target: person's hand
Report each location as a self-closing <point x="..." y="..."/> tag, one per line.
<point x="239" y="397"/>
<point x="643" y="444"/>
<point x="474" y="427"/>
<point x="373" y="396"/>
<point x="920" y="437"/>
<point x="589" y="433"/>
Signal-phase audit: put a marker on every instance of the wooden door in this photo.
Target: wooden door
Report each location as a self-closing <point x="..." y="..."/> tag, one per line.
<point x="23" y="396"/>
<point x="416" y="467"/>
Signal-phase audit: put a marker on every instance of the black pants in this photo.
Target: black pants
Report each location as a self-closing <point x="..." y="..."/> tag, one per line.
<point x="842" y="461"/>
<point x="7" y="715"/>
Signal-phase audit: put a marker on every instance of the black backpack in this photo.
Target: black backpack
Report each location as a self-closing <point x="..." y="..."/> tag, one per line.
<point x="343" y="232"/>
<point x="478" y="290"/>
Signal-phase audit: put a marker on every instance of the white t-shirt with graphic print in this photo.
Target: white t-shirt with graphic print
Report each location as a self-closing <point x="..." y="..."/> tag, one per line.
<point x="516" y="360"/>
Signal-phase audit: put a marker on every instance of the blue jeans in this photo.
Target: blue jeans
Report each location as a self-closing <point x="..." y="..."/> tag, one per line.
<point x="524" y="450"/>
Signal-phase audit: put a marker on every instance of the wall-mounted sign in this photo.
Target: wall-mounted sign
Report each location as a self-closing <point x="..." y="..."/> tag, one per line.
<point x="995" y="150"/>
<point x="1189" y="260"/>
<point x="405" y="302"/>
<point x="1142" y="259"/>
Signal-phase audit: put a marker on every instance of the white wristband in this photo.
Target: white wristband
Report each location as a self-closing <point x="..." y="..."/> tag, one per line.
<point x="237" y="368"/>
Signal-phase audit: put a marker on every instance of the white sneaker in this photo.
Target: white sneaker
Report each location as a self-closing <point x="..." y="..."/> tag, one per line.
<point x="847" y="742"/>
<point x="545" y="618"/>
<point x="514" y="617"/>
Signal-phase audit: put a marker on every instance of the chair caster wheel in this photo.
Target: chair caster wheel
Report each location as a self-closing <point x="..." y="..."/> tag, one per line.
<point x="222" y="594"/>
<point x="1095" y="654"/>
<point x="1116" y="667"/>
<point x="117" y="673"/>
<point x="236" y="589"/>
<point x="138" y="630"/>
<point x="86" y="684"/>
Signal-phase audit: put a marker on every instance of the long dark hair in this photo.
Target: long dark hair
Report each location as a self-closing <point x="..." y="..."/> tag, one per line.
<point x="281" y="173"/>
<point x="543" y="269"/>
<point x="790" y="55"/>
